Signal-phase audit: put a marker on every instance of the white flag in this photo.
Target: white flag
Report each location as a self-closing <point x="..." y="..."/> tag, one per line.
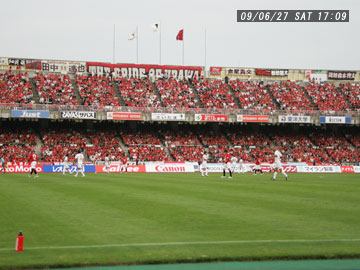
<point x="155" y="27"/>
<point x="132" y="37"/>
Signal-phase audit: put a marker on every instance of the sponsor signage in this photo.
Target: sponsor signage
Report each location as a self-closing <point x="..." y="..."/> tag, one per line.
<point x="170" y="167"/>
<point x="215" y="71"/>
<point x="117" y="168"/>
<point x="239" y="71"/>
<point x="22" y="169"/>
<point x="356" y="169"/>
<point x="20" y="61"/>
<point x="30" y="114"/>
<point x="123" y="116"/>
<point x="270" y="72"/>
<point x="335" y="119"/>
<point x="319" y="169"/>
<point x="342" y="75"/>
<point x="211" y="118"/>
<point x="78" y="115"/>
<point x="347" y="169"/>
<point x="63" y="66"/>
<point x="168" y="116"/>
<point x="294" y="119"/>
<point x="140" y="71"/>
<point x="60" y="168"/>
<point x="253" y="118"/>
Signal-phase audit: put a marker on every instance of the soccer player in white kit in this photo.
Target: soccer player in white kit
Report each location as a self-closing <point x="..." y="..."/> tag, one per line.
<point x="107" y="165"/>
<point x="66" y="165"/>
<point x="80" y="163"/>
<point x="277" y="165"/>
<point x="234" y="161"/>
<point x="203" y="167"/>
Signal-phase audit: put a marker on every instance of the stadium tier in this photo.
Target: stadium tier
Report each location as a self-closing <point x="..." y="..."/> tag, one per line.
<point x="146" y="142"/>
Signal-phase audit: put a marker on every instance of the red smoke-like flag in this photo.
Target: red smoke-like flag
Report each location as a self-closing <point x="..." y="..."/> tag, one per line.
<point x="180" y="35"/>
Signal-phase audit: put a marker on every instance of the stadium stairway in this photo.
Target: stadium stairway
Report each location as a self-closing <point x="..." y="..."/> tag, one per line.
<point x="309" y="98"/>
<point x="277" y="105"/>
<point x="198" y="99"/>
<point x="118" y="94"/>
<point x="167" y="150"/>
<point x="35" y="92"/>
<point x="123" y="145"/>
<point x="39" y="144"/>
<point x="237" y="101"/>
<point x="77" y="92"/>
<point x="157" y="93"/>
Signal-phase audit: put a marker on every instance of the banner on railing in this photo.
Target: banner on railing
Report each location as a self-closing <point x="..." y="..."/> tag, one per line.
<point x="123" y="116"/>
<point x="22" y="169"/>
<point x="253" y="118"/>
<point x="4" y="61"/>
<point x="30" y="114"/>
<point x="215" y="71"/>
<point x="294" y="119"/>
<point x="335" y="119"/>
<point x="63" y="66"/>
<point x="117" y="168"/>
<point x="78" y="115"/>
<point x="168" y="116"/>
<point x="356" y="169"/>
<point x="20" y="61"/>
<point x="272" y="72"/>
<point x="170" y="167"/>
<point x="341" y="75"/>
<point x="73" y="168"/>
<point x="239" y="71"/>
<point x="141" y="71"/>
<point x="211" y="118"/>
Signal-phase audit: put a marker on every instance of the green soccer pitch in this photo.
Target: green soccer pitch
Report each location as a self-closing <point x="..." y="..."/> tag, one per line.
<point x="108" y="219"/>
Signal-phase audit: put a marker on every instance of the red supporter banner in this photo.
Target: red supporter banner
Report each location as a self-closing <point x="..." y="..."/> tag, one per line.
<point x="253" y="118"/>
<point x="347" y="169"/>
<point x="117" y="168"/>
<point x="22" y="169"/>
<point x="211" y="117"/>
<point x="140" y="71"/>
<point x="34" y="65"/>
<point x="123" y="116"/>
<point x="215" y="70"/>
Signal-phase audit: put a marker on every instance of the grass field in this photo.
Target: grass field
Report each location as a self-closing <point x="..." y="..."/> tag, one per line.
<point x="155" y="218"/>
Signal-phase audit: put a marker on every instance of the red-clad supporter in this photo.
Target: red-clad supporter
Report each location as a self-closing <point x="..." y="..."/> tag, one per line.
<point x="97" y="90"/>
<point x="15" y="88"/>
<point x="176" y="93"/>
<point x="252" y="95"/>
<point x="55" y="89"/>
<point x="327" y="97"/>
<point x="138" y="92"/>
<point x="214" y="94"/>
<point x="290" y="96"/>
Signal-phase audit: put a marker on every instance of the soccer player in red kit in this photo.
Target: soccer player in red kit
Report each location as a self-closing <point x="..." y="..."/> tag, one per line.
<point x="227" y="164"/>
<point x="257" y="167"/>
<point x="123" y="165"/>
<point x="33" y="160"/>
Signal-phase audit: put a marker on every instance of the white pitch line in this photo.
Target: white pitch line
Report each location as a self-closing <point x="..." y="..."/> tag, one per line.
<point x="192" y="243"/>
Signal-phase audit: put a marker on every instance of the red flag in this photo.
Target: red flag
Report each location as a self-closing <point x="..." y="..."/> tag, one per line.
<point x="180" y="35"/>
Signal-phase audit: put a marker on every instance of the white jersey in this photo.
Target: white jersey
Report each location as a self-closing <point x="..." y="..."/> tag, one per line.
<point x="66" y="161"/>
<point x="234" y="160"/>
<point x="278" y="156"/>
<point x="107" y="162"/>
<point x="205" y="158"/>
<point x="80" y="158"/>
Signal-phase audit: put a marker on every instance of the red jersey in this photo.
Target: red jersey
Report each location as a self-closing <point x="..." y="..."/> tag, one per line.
<point x="33" y="157"/>
<point x="227" y="158"/>
<point x="124" y="160"/>
<point x="257" y="161"/>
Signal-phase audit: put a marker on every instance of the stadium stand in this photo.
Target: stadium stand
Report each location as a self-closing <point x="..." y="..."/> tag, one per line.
<point x="15" y="88"/>
<point x="352" y="93"/>
<point x="55" y="89"/>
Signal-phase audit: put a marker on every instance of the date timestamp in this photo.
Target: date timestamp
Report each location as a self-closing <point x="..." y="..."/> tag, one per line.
<point x="293" y="16"/>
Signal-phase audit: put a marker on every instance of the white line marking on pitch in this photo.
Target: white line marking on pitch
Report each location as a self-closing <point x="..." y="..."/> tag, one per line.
<point x="192" y="243"/>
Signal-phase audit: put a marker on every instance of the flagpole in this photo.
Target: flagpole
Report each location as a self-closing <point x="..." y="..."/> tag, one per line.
<point x="114" y="45"/>
<point x="137" y="46"/>
<point x="205" y="50"/>
<point x="160" y="44"/>
<point x="183" y="49"/>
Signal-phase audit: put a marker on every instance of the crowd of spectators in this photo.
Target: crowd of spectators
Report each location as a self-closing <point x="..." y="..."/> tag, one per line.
<point x="15" y="88"/>
<point x="55" y="89"/>
<point x="352" y="93"/>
